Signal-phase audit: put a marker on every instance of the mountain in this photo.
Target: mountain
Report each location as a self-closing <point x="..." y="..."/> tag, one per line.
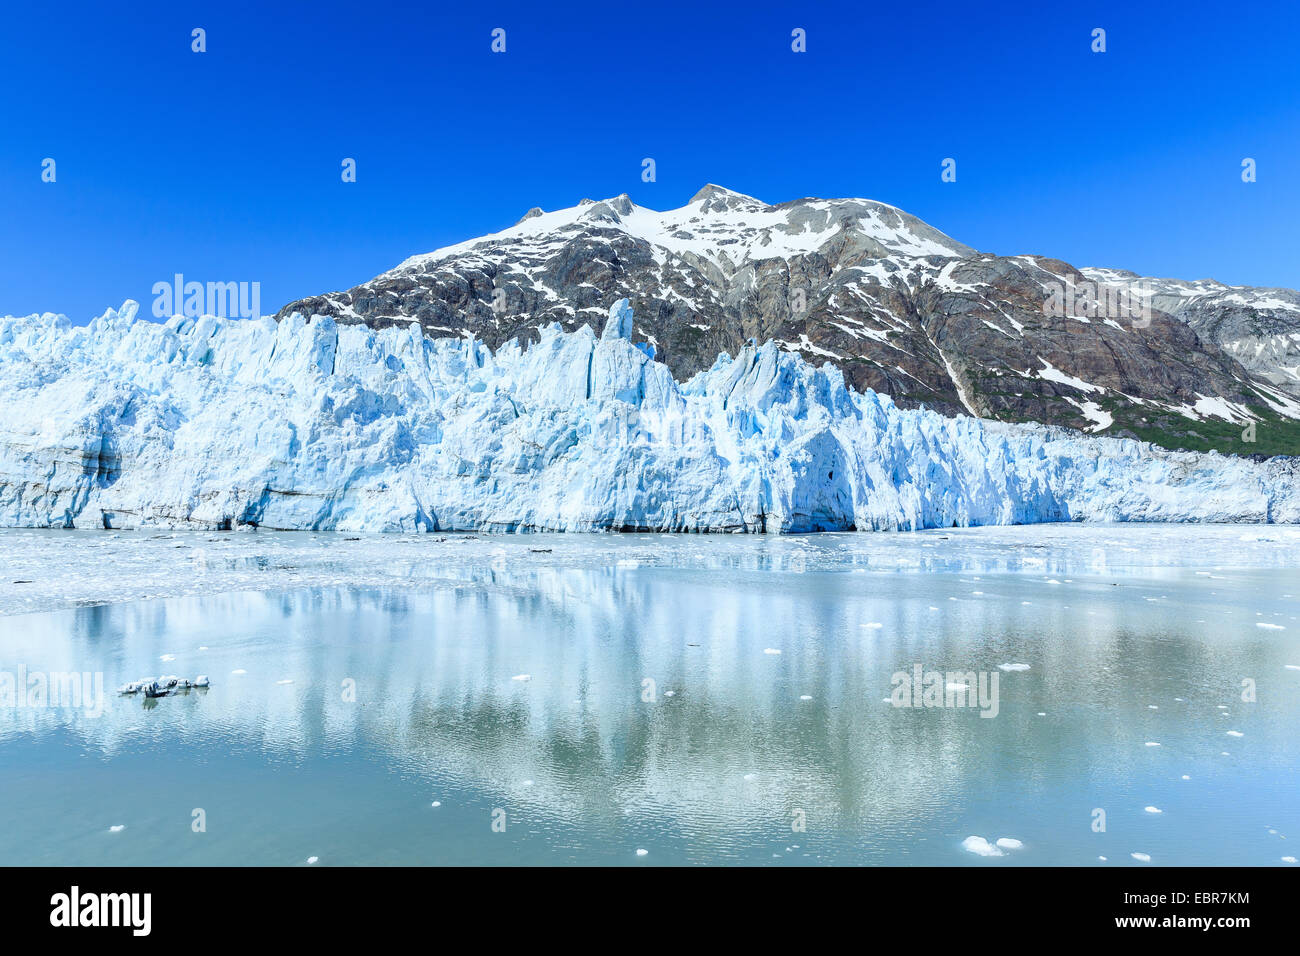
<point x="899" y="307"/>
<point x="309" y="424"/>
<point x="1260" y="328"/>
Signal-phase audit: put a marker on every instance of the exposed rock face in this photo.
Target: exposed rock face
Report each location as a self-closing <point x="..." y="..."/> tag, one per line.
<point x="1258" y="327"/>
<point x="898" y="306"/>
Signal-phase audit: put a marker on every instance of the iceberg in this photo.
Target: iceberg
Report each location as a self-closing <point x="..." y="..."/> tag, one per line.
<point x="208" y="423"/>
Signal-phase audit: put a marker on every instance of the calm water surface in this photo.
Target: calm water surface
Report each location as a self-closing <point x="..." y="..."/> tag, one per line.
<point x="339" y="714"/>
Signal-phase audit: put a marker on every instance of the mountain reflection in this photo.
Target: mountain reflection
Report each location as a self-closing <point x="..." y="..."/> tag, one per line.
<point x="440" y="693"/>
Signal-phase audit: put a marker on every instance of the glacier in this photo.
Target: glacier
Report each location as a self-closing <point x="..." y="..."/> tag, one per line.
<point x="208" y="423"/>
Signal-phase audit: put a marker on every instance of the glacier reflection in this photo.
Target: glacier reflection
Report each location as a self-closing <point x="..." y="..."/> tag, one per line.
<point x="734" y="750"/>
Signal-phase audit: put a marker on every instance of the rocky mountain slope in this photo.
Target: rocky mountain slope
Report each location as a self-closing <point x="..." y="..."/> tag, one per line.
<point x="1260" y="328"/>
<point x="898" y="306"/>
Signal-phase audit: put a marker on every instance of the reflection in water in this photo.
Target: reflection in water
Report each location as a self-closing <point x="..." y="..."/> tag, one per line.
<point x="586" y="769"/>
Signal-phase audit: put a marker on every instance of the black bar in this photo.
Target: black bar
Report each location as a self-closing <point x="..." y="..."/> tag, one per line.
<point x="315" y="905"/>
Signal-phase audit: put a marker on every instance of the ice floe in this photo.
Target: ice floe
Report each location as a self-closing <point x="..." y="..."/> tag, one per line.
<point x="980" y="847"/>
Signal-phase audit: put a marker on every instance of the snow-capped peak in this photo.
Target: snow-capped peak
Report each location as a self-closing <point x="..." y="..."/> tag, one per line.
<point x="720" y="197"/>
<point x="725" y="227"/>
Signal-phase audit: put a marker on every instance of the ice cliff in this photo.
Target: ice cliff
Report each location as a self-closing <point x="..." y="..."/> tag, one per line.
<point x="309" y="424"/>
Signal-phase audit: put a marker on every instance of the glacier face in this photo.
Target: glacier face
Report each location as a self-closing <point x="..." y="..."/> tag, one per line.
<point x="308" y="424"/>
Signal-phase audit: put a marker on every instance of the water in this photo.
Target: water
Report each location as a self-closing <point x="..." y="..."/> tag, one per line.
<point x="1132" y="636"/>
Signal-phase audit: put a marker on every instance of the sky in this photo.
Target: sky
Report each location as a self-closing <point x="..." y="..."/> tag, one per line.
<point x="226" y="165"/>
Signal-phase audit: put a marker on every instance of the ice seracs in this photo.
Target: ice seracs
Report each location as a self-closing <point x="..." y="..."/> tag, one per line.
<point x="217" y="424"/>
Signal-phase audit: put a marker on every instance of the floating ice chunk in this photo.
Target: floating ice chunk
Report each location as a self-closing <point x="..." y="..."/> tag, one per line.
<point x="980" y="847"/>
<point x="522" y="677"/>
<point x="1102" y="858"/>
<point x="771" y="650"/>
<point x="1153" y="810"/>
<point x="1152" y="707"/>
<point x="1292" y="667"/>
<point x="436" y="803"/>
<point x="1042" y="713"/>
<point x="528" y="783"/>
<point x="1010" y="843"/>
<point x="641" y="852"/>
<point x="1013" y="667"/>
<point x="239" y="670"/>
<point x="117" y="828"/>
<point x="1288" y="859"/>
<point x="1141" y="857"/>
<point x="1152" y="743"/>
<point x="1270" y="627"/>
<point x="670" y="693"/>
<point x="167" y="657"/>
<point x="287" y="680"/>
<point x="1235" y="733"/>
<point x="202" y="681"/>
<point x="806" y="697"/>
<point x="312" y="859"/>
<point x="873" y="624"/>
<point x="751" y="776"/>
<point x="1186" y="777"/>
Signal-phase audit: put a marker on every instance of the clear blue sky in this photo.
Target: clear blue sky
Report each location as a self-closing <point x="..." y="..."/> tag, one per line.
<point x="225" y="165"/>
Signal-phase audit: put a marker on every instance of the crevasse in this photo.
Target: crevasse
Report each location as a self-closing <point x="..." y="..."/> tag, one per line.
<point x="311" y="425"/>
